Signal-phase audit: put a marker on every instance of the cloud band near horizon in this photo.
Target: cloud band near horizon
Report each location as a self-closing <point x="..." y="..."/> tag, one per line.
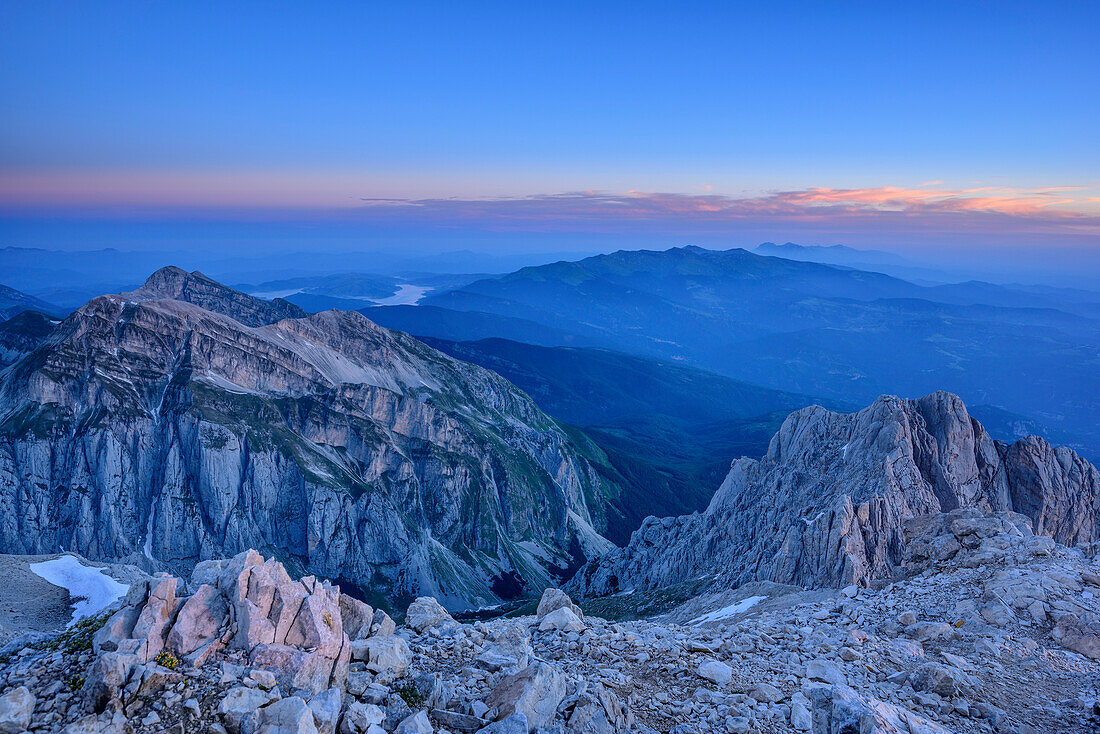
<point x="1070" y="210"/>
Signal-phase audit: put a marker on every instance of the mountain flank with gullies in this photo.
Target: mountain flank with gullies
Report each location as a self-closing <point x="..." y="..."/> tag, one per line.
<point x="186" y="420"/>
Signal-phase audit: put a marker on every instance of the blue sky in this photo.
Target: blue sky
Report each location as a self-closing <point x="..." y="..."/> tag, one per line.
<point x="288" y="110"/>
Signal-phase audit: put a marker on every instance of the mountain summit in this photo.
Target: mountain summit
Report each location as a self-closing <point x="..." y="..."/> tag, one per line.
<point x="177" y="284"/>
<point x="187" y="420"/>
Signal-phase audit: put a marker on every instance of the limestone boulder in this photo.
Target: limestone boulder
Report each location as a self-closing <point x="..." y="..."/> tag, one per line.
<point x="536" y="691"/>
<point x="426" y="613"/>
<point x="943" y="680"/>
<point x="152" y="623"/>
<point x="360" y="717"/>
<point x="1079" y="635"/>
<point x="16" y="708"/>
<point x="383" y="654"/>
<point x="239" y="705"/>
<point x="326" y="707"/>
<point x="104" y="682"/>
<point x="514" y="724"/>
<point x="287" y="716"/>
<point x="356" y="617"/>
<point x="553" y="599"/>
<point x="562" y="620"/>
<point x="417" y="723"/>
<point x="715" y="671"/>
<point x="382" y="624"/>
<point x="294" y="667"/>
<point x="510" y="650"/>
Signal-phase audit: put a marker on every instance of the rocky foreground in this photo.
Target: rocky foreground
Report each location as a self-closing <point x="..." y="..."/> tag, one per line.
<point x="992" y="629"/>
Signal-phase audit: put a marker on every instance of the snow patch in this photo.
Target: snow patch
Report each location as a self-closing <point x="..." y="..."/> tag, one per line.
<point x="91" y="589"/>
<point x="224" y="384"/>
<point x="731" y="611"/>
<point x="816" y="518"/>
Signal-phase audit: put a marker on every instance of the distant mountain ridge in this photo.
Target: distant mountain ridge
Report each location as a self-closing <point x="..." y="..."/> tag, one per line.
<point x="593" y="386"/>
<point x="817" y="329"/>
<point x="465" y="326"/>
<point x="13" y="303"/>
<point x="22" y="333"/>
<point x="831" y="254"/>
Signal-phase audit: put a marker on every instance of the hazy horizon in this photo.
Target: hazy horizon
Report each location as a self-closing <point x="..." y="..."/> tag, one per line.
<point x="953" y="136"/>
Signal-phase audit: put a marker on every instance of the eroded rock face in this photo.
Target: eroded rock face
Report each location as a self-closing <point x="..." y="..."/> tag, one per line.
<point x="199" y="619"/>
<point x="1054" y="487"/>
<point x="187" y="421"/>
<point x="828" y="504"/>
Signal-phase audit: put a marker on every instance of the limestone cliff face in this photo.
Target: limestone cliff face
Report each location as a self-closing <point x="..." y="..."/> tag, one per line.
<point x="828" y="503"/>
<point x="150" y="429"/>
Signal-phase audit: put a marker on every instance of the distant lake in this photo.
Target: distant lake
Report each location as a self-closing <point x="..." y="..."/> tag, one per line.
<point x="407" y="295"/>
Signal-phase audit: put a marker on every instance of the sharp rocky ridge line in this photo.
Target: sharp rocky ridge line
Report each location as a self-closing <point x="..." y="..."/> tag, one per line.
<point x="827" y="505"/>
<point x="186" y="421"/>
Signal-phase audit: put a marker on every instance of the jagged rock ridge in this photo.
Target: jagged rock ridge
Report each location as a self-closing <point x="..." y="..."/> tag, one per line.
<point x="153" y="430"/>
<point x="828" y="503"/>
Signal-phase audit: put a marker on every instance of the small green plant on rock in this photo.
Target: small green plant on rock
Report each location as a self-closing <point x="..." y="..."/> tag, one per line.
<point x="78" y="636"/>
<point x="414" y="698"/>
<point x="166" y="659"/>
<point x="75" y="683"/>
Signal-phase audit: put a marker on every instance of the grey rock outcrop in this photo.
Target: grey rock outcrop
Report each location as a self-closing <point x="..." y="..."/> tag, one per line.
<point x="828" y="504"/>
<point x="426" y="613"/>
<point x="184" y="421"/>
<point x="554" y="599"/>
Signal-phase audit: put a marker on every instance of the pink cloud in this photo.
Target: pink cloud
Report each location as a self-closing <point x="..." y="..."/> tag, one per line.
<point x="812" y="203"/>
<point x="887" y="208"/>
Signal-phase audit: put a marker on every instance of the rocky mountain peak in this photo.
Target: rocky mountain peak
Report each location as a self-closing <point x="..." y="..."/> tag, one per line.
<point x="828" y="502"/>
<point x="177" y="284"/>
